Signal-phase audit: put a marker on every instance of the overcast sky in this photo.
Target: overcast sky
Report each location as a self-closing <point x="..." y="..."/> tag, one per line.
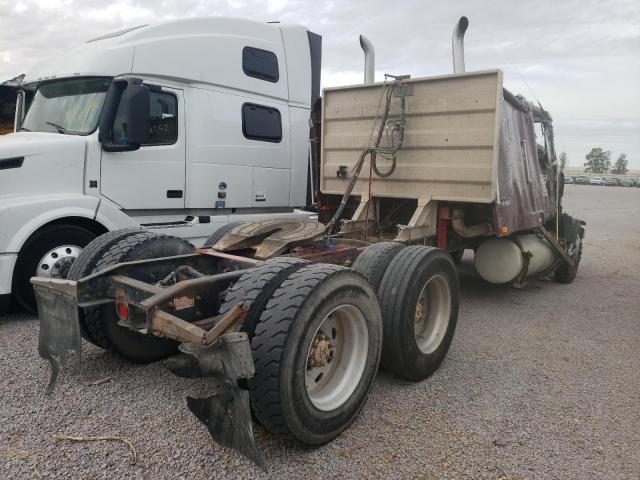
<point x="581" y="59"/>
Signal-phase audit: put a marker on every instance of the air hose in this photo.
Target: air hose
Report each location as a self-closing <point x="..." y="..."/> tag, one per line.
<point x="389" y="152"/>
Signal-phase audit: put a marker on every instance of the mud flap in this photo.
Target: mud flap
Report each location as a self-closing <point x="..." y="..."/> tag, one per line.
<point x="226" y="413"/>
<point x="59" y="324"/>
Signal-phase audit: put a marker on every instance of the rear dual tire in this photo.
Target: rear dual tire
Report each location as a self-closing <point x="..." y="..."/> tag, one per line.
<point x="99" y="325"/>
<point x="419" y="299"/>
<point x="298" y="398"/>
<point x="375" y="259"/>
<point x="417" y="288"/>
<point x="257" y="286"/>
<point x="316" y="350"/>
<point x="87" y="262"/>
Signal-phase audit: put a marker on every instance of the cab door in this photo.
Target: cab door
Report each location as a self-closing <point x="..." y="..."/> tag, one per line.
<point x="152" y="177"/>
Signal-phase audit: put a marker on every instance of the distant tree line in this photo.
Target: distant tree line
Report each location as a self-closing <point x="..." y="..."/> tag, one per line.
<point x="599" y="161"/>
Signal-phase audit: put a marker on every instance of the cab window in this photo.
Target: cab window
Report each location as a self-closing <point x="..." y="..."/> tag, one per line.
<point x="261" y="123"/>
<point x="262" y="64"/>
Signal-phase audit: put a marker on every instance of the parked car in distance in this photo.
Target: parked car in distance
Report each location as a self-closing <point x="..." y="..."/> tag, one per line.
<point x="581" y="180"/>
<point x="627" y="182"/>
<point x="612" y="182"/>
<point x="596" y="181"/>
<point x="568" y="179"/>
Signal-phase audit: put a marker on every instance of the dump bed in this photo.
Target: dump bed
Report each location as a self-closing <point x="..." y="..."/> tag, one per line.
<point x="450" y="149"/>
<point x="466" y="140"/>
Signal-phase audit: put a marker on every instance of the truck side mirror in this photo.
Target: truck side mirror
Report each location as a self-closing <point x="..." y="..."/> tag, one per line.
<point x="127" y="102"/>
<point x="20" y="110"/>
<point x="137" y="99"/>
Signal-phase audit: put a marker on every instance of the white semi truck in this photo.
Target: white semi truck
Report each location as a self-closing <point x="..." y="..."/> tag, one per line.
<point x="228" y="102"/>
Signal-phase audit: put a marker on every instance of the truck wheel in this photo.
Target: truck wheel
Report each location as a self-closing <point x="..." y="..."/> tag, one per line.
<point x="316" y="350"/>
<point x="419" y="298"/>
<point x="257" y="286"/>
<point x="572" y="233"/>
<point x="102" y="324"/>
<point x="221" y="232"/>
<point x="50" y="252"/>
<point x="374" y="260"/>
<point x="87" y="261"/>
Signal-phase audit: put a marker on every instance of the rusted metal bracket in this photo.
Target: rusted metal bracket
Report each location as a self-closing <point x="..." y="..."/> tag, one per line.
<point x="135" y="284"/>
<point x="230" y="322"/>
<point x="422" y="223"/>
<point x="358" y="220"/>
<point x="187" y="287"/>
<point x="164" y="324"/>
<point x="554" y="243"/>
<point x="520" y="282"/>
<point x="214" y="253"/>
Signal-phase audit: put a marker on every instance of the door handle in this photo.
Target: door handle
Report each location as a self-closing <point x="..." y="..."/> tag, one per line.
<point x="174" y="193"/>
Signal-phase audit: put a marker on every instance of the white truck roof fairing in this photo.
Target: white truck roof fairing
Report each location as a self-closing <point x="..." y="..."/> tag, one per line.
<point x="193" y="51"/>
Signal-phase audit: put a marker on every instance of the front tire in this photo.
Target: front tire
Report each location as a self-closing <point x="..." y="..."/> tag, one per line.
<point x="49" y="252"/>
<point x="572" y="233"/>
<point x="316" y="350"/>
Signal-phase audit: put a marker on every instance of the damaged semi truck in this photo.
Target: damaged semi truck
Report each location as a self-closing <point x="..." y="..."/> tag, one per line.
<point x="290" y="318"/>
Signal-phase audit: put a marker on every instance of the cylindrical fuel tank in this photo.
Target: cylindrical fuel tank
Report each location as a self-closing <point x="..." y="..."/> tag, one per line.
<point x="500" y="260"/>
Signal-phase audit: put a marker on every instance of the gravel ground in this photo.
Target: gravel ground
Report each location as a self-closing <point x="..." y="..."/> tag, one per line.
<point x="540" y="383"/>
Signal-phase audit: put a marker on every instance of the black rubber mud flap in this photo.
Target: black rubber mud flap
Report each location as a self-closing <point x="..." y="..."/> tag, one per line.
<point x="59" y="324"/>
<point x="226" y="413"/>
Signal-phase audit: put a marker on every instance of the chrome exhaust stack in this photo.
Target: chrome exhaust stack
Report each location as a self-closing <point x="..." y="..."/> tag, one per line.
<point x="457" y="44"/>
<point x="369" y="59"/>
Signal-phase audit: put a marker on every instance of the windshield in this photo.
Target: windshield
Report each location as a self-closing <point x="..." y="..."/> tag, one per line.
<point x="67" y="106"/>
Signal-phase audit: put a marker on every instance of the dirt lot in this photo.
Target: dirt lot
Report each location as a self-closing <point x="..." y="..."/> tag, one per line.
<point x="541" y="383"/>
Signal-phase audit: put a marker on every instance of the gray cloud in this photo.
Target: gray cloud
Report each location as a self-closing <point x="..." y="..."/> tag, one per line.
<point x="580" y="58"/>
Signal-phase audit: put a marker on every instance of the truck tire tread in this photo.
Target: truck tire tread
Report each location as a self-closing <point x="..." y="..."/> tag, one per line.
<point x="375" y="259"/>
<point x="571" y="230"/>
<point x="395" y="291"/>
<point x="221" y="232"/>
<point x="121" y="251"/>
<point x="257" y="286"/>
<point x="86" y="264"/>
<point x="271" y="339"/>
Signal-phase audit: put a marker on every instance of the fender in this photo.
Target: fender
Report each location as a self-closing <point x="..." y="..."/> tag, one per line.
<point x="21" y="216"/>
<point x="112" y="217"/>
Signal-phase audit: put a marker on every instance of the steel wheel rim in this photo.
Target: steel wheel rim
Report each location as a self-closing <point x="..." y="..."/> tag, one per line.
<point x="433" y="311"/>
<point x="330" y="386"/>
<point x="57" y="261"/>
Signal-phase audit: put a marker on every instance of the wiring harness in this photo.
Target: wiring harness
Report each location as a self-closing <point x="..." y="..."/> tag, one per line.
<point x="394" y="130"/>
